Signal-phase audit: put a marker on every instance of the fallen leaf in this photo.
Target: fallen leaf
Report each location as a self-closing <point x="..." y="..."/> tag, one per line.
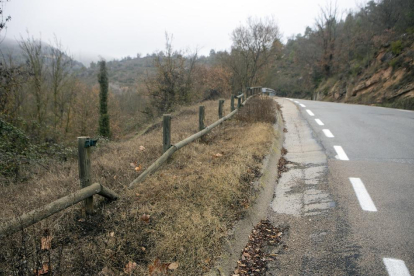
<point x="46" y="243"/>
<point x="112" y="234"/>
<point x="157" y="268"/>
<point x="217" y="155"/>
<point x="141" y="148"/>
<point x="137" y="194"/>
<point x="129" y="267"/>
<point x="106" y="272"/>
<point x="143" y="248"/>
<point x="139" y="168"/>
<point x="133" y="164"/>
<point x="44" y="270"/>
<point x="81" y="220"/>
<point x="145" y="218"/>
<point x="173" y="266"/>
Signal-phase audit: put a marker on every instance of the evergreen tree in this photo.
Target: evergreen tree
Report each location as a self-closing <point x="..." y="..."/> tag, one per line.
<point x="103" y="100"/>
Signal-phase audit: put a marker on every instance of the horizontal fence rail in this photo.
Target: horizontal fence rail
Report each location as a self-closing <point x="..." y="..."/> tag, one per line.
<point x="46" y="211"/>
<point x="88" y="190"/>
<point x="163" y="158"/>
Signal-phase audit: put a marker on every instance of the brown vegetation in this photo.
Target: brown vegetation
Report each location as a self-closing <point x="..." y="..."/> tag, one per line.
<point x="175" y="219"/>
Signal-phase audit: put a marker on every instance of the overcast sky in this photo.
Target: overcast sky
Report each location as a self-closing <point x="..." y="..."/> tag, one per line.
<point x="115" y="29"/>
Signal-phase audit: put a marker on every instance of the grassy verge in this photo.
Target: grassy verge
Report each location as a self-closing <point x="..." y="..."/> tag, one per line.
<point x="178" y="215"/>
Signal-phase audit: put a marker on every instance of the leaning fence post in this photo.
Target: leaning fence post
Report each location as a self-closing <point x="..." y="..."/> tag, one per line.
<point x="201" y="118"/>
<point x="220" y="109"/>
<point x="232" y="103"/>
<point x="85" y="170"/>
<point x="166" y="132"/>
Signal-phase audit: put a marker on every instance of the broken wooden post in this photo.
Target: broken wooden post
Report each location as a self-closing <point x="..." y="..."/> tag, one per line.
<point x="201" y="118"/>
<point x="220" y="109"/>
<point x="166" y="132"/>
<point x="232" y="103"/>
<point x="85" y="170"/>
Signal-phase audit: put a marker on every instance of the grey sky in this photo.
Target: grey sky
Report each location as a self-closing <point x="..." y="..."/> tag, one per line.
<point x="116" y="29"/>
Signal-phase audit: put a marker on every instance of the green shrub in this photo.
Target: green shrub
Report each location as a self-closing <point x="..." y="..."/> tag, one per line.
<point x="406" y="103"/>
<point x="396" y="47"/>
<point x="396" y="62"/>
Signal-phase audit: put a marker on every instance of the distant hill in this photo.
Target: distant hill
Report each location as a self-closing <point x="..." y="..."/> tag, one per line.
<point x="11" y="48"/>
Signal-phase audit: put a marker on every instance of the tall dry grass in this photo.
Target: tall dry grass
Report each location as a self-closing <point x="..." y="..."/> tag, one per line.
<point x="191" y="202"/>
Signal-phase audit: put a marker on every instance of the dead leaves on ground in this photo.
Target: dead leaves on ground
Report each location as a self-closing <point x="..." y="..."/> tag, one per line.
<point x="145" y="218"/>
<point x="44" y="270"/>
<point x="136" y="167"/>
<point x="158" y="268"/>
<point x="254" y="259"/>
<point x="130" y="267"/>
<point x="217" y="155"/>
<point x="46" y="243"/>
<point x="282" y="166"/>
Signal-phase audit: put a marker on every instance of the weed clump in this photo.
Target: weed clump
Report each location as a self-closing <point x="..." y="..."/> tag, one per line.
<point x="258" y="109"/>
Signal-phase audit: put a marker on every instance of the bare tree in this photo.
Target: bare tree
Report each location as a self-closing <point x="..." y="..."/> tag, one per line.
<point x="35" y="61"/>
<point x="326" y="31"/>
<point x="12" y="77"/>
<point x="173" y="80"/>
<point x="3" y="19"/>
<point x="60" y="64"/>
<point x="254" y="47"/>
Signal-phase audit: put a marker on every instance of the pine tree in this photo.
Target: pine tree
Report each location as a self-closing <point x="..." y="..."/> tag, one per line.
<point x="103" y="100"/>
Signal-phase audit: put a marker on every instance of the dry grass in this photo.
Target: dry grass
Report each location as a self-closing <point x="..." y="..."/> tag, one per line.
<point x="192" y="201"/>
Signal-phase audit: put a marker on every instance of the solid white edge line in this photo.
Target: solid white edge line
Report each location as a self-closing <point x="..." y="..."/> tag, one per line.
<point x="328" y="133"/>
<point x="302" y="105"/>
<point x="319" y="122"/>
<point x="396" y="267"/>
<point x="362" y="194"/>
<point x="310" y="112"/>
<point x="341" y="153"/>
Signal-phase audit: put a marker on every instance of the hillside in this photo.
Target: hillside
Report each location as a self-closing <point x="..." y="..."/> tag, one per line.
<point x="364" y="57"/>
<point x="387" y="79"/>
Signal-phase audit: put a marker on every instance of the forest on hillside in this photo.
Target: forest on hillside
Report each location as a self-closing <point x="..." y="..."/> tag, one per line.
<point x="47" y="99"/>
<point x="349" y="58"/>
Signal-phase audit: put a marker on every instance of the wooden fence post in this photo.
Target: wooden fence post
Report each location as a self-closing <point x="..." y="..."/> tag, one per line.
<point x="238" y="102"/>
<point x="166" y="132"/>
<point x="232" y="103"/>
<point x="85" y="171"/>
<point x="220" y="109"/>
<point x="201" y="118"/>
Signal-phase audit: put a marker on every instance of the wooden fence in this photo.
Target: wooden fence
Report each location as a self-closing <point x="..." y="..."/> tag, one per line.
<point x="88" y="190"/>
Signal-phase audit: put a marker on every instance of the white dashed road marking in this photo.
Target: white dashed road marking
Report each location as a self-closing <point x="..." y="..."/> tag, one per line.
<point x="319" y="122"/>
<point x="310" y="112"/>
<point x="362" y="194"/>
<point x="302" y="105"/>
<point x="296" y="102"/>
<point x="341" y="155"/>
<point x="328" y="133"/>
<point x="396" y="267"/>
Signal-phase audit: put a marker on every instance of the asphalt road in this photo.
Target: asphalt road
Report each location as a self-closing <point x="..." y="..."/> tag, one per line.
<point x="371" y="175"/>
